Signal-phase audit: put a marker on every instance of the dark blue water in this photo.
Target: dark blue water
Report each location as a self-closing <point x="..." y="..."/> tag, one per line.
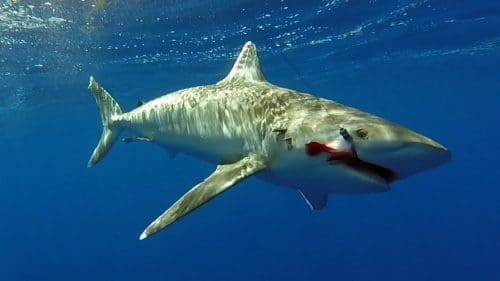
<point x="430" y="65"/>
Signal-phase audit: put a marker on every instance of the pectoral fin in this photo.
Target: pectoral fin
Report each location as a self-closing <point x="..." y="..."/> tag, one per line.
<point x="224" y="177"/>
<point x="315" y="199"/>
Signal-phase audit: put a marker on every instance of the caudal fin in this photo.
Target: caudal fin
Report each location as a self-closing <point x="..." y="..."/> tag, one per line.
<point x="108" y="108"/>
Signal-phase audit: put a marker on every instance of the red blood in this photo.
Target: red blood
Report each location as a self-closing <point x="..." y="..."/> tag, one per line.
<point x="315" y="148"/>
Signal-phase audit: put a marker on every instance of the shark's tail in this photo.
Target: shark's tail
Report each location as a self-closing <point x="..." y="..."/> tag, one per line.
<point x="108" y="108"/>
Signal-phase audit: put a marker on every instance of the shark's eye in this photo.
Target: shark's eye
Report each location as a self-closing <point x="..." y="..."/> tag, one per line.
<point x="362" y="133"/>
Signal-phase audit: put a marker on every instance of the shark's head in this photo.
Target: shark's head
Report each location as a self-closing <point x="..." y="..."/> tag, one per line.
<point x="390" y="148"/>
<point x="353" y="152"/>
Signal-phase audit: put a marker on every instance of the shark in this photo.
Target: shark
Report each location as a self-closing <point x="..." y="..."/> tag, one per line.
<point x="250" y="127"/>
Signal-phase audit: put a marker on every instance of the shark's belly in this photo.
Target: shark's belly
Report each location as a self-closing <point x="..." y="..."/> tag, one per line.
<point x="297" y="170"/>
<point x="215" y="149"/>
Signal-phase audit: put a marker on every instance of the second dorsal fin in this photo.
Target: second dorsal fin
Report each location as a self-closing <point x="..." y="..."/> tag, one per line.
<point x="246" y="67"/>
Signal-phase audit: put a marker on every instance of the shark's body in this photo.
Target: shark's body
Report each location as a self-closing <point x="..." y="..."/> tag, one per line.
<point x="249" y="126"/>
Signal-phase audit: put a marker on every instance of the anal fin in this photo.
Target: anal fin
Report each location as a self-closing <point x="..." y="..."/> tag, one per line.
<point x="223" y="178"/>
<point x="315" y="199"/>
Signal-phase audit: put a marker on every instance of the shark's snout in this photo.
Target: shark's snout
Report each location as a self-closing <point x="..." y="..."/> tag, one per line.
<point x="403" y="151"/>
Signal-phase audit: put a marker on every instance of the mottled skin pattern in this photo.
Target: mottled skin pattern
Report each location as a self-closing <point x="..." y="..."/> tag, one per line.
<point x="232" y="119"/>
<point x="249" y="126"/>
<point x="223" y="122"/>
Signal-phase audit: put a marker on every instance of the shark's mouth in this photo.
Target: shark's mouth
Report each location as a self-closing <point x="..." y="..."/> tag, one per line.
<point x="370" y="168"/>
<point x="350" y="158"/>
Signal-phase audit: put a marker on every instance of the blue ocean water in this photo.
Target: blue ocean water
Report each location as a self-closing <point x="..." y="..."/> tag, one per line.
<point x="430" y="65"/>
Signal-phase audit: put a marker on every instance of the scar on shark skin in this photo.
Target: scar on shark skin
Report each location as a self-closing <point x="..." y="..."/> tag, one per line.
<point x="288" y="141"/>
<point x="289" y="145"/>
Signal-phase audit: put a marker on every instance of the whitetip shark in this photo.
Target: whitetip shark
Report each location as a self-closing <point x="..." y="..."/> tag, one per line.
<point x="248" y="126"/>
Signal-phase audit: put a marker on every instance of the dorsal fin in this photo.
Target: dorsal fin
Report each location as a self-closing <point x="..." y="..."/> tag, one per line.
<point x="246" y="67"/>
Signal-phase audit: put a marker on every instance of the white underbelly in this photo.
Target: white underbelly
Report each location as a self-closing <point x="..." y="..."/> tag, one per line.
<point x="296" y="169"/>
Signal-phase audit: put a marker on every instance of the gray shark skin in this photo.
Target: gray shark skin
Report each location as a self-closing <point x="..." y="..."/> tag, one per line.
<point x="248" y="126"/>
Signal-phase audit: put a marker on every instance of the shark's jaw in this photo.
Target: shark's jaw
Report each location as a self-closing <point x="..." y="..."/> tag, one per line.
<point x="402" y="158"/>
<point x="386" y="152"/>
<point x="351" y="160"/>
<point x="386" y="174"/>
<point x="354" y="166"/>
<point x="385" y="161"/>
